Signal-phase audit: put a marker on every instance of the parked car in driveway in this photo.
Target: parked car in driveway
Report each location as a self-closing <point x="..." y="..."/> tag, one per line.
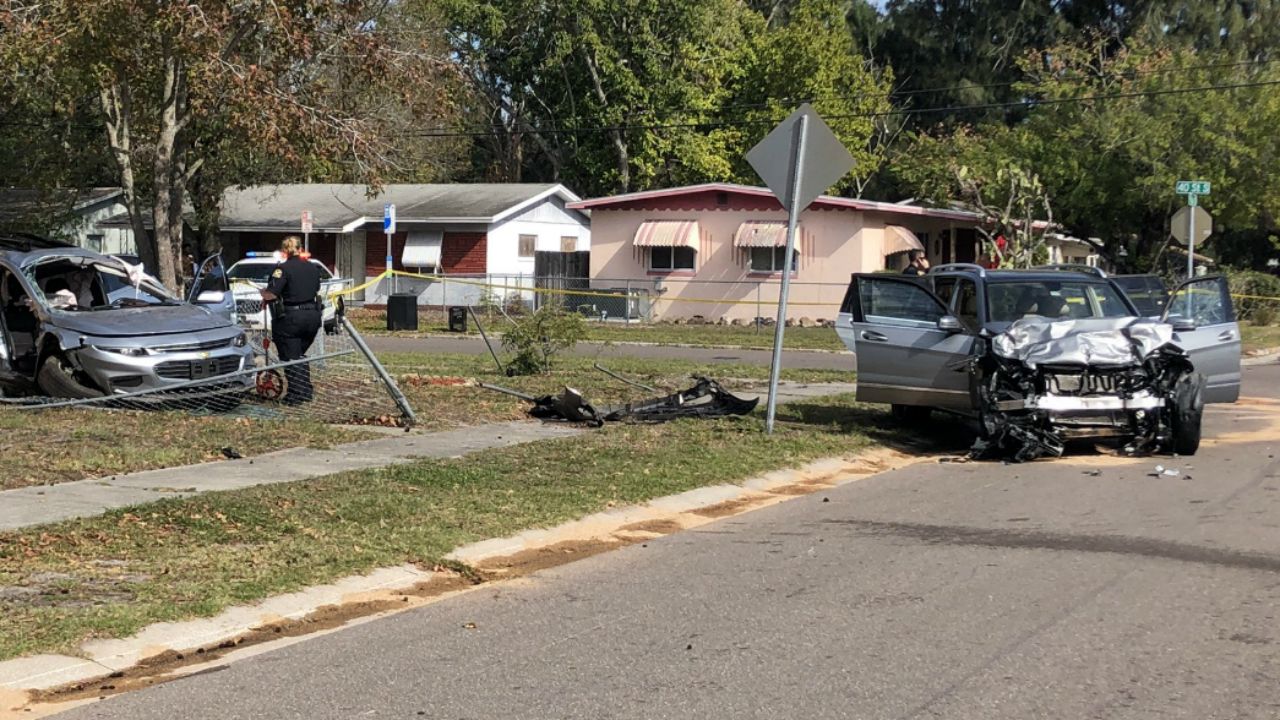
<point x="250" y="275"/>
<point x="1040" y="357"/>
<point x="77" y="324"/>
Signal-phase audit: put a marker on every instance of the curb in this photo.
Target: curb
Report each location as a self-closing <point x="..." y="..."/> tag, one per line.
<point x="22" y="676"/>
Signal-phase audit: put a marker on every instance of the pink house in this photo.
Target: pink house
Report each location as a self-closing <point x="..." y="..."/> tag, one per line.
<point x="716" y="250"/>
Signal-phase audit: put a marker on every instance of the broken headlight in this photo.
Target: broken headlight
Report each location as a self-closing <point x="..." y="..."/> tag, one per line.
<point x="127" y="351"/>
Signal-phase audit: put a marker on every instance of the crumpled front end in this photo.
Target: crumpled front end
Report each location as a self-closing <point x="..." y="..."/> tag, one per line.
<point x="1041" y="384"/>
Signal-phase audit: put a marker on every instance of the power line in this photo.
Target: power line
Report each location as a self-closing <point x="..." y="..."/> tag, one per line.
<point x="714" y="124"/>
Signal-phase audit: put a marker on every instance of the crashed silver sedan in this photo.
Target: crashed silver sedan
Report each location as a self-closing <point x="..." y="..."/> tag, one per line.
<point x="76" y="324"/>
<point x="1039" y="358"/>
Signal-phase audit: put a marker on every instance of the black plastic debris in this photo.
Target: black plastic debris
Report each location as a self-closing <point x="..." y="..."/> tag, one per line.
<point x="705" y="399"/>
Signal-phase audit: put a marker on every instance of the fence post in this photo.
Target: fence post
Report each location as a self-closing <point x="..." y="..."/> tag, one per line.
<point x="444" y="294"/>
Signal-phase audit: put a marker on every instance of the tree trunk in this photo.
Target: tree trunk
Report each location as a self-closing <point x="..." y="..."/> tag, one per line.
<point x="118" y="109"/>
<point x="167" y="190"/>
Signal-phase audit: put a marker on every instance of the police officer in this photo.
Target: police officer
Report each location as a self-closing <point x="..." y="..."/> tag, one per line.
<point x="297" y="313"/>
<point x="919" y="265"/>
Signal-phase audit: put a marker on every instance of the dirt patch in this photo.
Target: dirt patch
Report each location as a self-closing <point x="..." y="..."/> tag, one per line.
<point x="530" y="561"/>
<point x="167" y="666"/>
<point x="730" y="507"/>
<point x="656" y="527"/>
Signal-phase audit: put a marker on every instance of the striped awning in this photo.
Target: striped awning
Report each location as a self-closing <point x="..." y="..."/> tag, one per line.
<point x="667" y="233"/>
<point x="898" y="239"/>
<point x="761" y="234"/>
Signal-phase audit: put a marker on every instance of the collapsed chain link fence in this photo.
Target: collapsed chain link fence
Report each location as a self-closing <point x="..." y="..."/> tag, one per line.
<point x="339" y="382"/>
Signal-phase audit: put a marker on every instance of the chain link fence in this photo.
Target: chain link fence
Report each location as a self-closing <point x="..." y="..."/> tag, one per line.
<point x="339" y="382"/>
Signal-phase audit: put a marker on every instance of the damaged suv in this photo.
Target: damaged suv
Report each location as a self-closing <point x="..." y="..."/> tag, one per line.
<point x="1042" y="357"/>
<point x="75" y="324"/>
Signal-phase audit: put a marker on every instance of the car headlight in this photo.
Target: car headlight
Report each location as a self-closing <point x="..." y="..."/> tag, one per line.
<point x="240" y="340"/>
<point x="129" y="351"/>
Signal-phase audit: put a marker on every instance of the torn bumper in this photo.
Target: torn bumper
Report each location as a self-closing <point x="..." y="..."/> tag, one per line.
<point x="1067" y="405"/>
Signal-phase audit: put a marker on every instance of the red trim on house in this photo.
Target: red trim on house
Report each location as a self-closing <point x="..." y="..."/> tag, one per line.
<point x="727" y="196"/>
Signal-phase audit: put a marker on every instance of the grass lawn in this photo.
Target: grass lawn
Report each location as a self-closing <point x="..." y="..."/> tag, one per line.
<point x="441" y="406"/>
<point x="1259" y="337"/>
<point x="374" y="322"/>
<point x="112" y="575"/>
<point x="43" y="447"/>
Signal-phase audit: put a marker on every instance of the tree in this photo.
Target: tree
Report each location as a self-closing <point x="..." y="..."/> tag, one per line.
<point x="229" y="91"/>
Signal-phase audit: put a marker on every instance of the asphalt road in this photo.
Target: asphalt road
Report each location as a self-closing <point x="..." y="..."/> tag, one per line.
<point x="796" y="359"/>
<point x="968" y="591"/>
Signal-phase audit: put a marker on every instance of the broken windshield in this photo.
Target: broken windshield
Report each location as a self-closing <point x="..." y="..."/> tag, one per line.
<point x="87" y="284"/>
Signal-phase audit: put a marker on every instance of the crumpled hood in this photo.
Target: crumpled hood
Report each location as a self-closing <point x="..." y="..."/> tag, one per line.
<point x="128" y="322"/>
<point x="1115" y="342"/>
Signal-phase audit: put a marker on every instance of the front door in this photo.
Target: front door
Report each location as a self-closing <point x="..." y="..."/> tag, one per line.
<point x="211" y="289"/>
<point x="903" y="357"/>
<point x="1214" y="344"/>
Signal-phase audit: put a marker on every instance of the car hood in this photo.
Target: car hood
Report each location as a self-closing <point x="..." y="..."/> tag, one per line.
<point x="130" y="322"/>
<point x="1099" y="342"/>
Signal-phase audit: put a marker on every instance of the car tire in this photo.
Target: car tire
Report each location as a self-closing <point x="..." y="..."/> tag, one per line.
<point x="910" y="414"/>
<point x="1185" y="414"/>
<point x="57" y="380"/>
<point x="331" y="327"/>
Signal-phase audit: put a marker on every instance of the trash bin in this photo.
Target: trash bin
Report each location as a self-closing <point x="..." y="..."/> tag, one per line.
<point x="402" y="311"/>
<point x="458" y="318"/>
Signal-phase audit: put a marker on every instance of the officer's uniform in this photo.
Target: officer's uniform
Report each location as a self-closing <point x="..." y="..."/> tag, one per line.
<point x="296" y="318"/>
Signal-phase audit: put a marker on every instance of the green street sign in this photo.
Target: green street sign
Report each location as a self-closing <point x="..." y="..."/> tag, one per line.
<point x="1192" y="187"/>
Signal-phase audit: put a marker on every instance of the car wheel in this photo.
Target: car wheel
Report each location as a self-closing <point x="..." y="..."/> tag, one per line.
<point x="1185" y="414"/>
<point x="58" y="380"/>
<point x="910" y="414"/>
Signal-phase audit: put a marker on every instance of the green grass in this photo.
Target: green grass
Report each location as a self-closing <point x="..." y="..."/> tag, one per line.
<point x="433" y="322"/>
<point x="43" y="447"/>
<point x="180" y="558"/>
<point x="451" y="406"/>
<point x="1259" y="337"/>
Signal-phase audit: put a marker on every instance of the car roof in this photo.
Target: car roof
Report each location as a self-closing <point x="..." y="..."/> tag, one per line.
<point x="266" y="261"/>
<point x="1024" y="275"/>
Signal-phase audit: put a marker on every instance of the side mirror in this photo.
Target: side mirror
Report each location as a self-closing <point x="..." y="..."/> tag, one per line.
<point x="210" y="297"/>
<point x="1182" y="324"/>
<point x="950" y="323"/>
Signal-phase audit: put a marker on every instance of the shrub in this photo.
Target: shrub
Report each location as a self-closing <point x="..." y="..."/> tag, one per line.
<point x="537" y="337"/>
<point x="1258" y="285"/>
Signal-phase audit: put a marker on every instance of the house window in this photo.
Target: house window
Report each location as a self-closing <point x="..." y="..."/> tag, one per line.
<point x="568" y="243"/>
<point x="771" y="259"/>
<point x="671" y="258"/>
<point x="94" y="242"/>
<point x="528" y="243"/>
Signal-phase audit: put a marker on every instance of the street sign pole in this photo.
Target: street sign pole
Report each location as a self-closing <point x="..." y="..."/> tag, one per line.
<point x="306" y="231"/>
<point x="389" y="227"/>
<point x="1191" y="238"/>
<point x="793" y="215"/>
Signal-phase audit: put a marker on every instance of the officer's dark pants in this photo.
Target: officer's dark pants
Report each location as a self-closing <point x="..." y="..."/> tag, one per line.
<point x="293" y="331"/>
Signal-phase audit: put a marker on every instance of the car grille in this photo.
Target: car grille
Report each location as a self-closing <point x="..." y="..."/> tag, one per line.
<point x="193" y="347"/>
<point x="198" y="369"/>
<point x="1082" y="384"/>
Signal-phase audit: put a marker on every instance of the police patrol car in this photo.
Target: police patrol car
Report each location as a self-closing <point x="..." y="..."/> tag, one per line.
<point x="251" y="275"/>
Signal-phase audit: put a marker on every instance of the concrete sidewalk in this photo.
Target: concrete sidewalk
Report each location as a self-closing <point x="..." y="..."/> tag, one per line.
<point x="41" y="504"/>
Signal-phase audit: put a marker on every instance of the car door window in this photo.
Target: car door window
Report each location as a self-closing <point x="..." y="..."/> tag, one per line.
<point x="1206" y="301"/>
<point x="944" y="288"/>
<point x="898" y="303"/>
<point x="966" y="304"/>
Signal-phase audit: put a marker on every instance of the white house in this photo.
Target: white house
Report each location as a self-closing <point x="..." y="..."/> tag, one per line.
<point x="76" y="216"/>
<point x="468" y="231"/>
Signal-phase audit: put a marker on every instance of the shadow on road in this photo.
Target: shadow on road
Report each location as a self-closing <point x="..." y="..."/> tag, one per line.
<point x="941" y="433"/>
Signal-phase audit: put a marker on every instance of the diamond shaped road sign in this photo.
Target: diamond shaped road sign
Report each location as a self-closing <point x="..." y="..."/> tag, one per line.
<point x="1179" y="225"/>
<point x="825" y="159"/>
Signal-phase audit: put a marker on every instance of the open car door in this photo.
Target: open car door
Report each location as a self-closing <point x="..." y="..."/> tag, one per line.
<point x="211" y="290"/>
<point x="1214" y="344"/>
<point x="910" y="350"/>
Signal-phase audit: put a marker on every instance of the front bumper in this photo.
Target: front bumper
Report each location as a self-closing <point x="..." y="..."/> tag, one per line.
<point x="161" y="369"/>
<point x="1066" y="404"/>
